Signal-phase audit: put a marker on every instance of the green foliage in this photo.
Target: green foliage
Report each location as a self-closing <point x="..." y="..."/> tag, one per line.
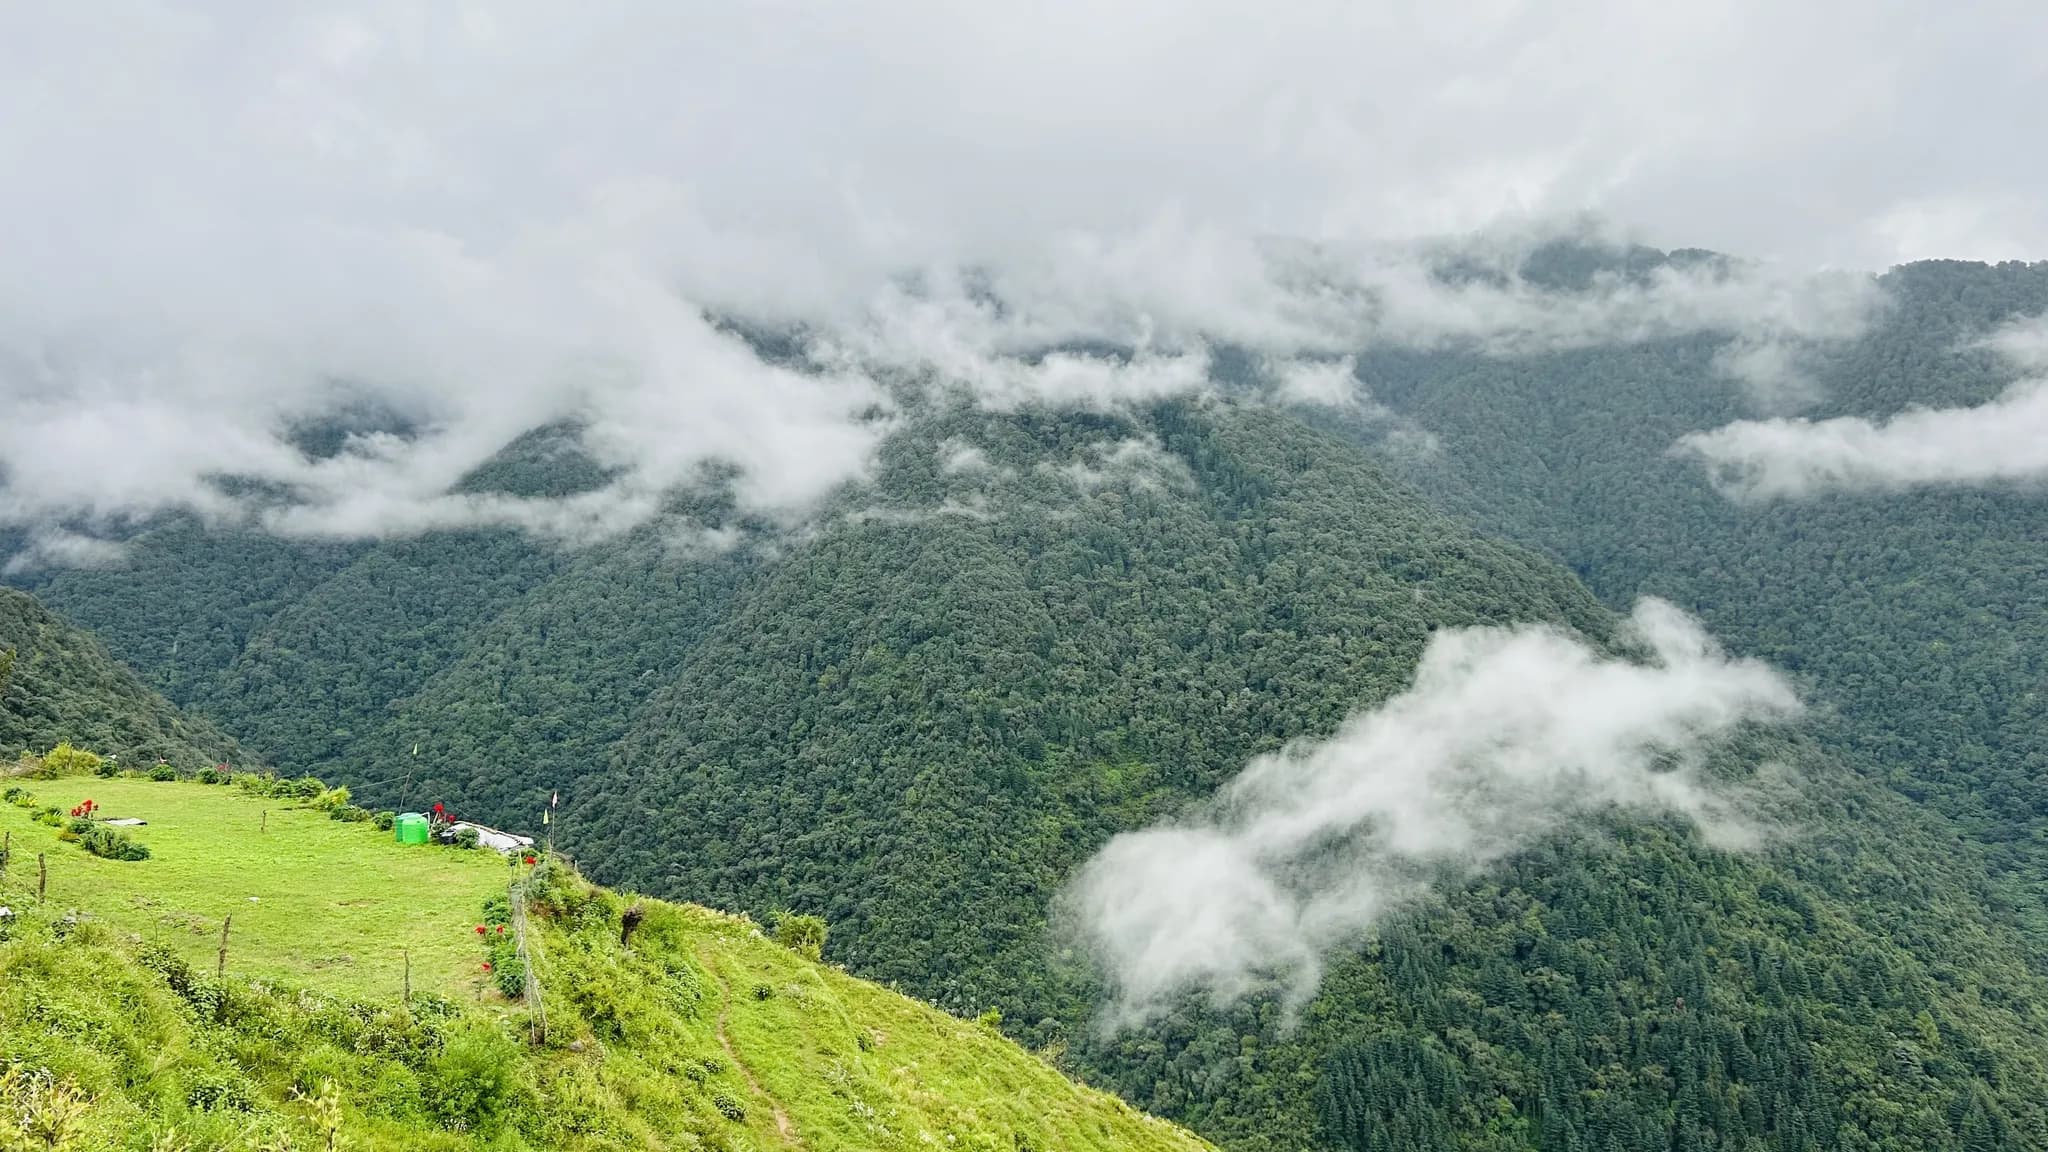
<point x="1916" y="618"/>
<point x="60" y="685"/>
<point x="804" y="935"/>
<point x="65" y="760"/>
<point x="112" y="844"/>
<point x="163" y="773"/>
<point x="465" y="838"/>
<point x="476" y="1081"/>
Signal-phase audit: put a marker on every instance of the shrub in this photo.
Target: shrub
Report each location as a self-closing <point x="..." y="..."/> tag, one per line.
<point x="465" y="838"/>
<point x="475" y="1081"/>
<point x="79" y="825"/>
<point x="257" y="783"/>
<point x="112" y="844"/>
<point x="211" y="776"/>
<point x="728" y="1107"/>
<point x="991" y="1020"/>
<point x="65" y="760"/>
<point x="802" y="934"/>
<point x="217" y="1090"/>
<point x="108" y="769"/>
<point x="51" y="815"/>
<point x="330" y="800"/>
<point x="163" y="772"/>
<point x="386" y="821"/>
<point x="508" y="970"/>
<point x="19" y="797"/>
<point x="349" y="814"/>
<point x="763" y="992"/>
<point x="305" y="788"/>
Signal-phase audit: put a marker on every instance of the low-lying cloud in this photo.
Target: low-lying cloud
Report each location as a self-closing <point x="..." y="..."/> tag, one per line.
<point x="2004" y="441"/>
<point x="1507" y="735"/>
<point x="225" y="225"/>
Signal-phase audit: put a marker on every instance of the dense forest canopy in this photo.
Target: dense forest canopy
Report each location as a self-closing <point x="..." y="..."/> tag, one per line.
<point x="58" y="684"/>
<point x="1918" y="617"/>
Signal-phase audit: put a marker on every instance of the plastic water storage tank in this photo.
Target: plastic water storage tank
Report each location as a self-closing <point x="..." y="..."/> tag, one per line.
<point x="411" y="828"/>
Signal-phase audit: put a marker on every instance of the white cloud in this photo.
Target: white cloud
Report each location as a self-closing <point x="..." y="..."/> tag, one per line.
<point x="222" y="221"/>
<point x="1506" y="736"/>
<point x="2004" y="441"/>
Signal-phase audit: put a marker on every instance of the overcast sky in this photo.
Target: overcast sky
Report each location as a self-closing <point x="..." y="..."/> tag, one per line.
<point x="218" y="215"/>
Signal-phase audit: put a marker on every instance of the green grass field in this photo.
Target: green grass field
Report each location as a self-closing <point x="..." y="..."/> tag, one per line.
<point x="316" y="902"/>
<point x="699" y="1033"/>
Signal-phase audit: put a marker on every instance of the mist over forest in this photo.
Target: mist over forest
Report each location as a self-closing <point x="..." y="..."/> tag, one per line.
<point x="1360" y="576"/>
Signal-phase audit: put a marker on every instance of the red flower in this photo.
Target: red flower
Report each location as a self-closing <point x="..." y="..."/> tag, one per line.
<point x="487" y="965"/>
<point x="529" y="859"/>
<point x="501" y="929"/>
<point x="479" y="929"/>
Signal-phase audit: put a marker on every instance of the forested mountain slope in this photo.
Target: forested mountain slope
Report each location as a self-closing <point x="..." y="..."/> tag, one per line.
<point x="1920" y="617"/>
<point x="1033" y="630"/>
<point x="58" y="684"/>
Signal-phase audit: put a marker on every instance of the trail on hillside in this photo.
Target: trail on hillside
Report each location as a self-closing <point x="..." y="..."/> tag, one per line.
<point x="782" y="1124"/>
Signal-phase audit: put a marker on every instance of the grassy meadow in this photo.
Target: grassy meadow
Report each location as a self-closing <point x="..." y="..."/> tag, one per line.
<point x="667" y="1026"/>
<point x="317" y="903"/>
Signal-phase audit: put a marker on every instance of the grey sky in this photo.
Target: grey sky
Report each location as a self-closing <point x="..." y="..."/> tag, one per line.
<point x="220" y="216"/>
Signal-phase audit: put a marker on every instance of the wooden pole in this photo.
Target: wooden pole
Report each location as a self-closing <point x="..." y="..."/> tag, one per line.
<point x="6" y="850"/>
<point x="408" y="976"/>
<point x="42" y="877"/>
<point x="266" y="821"/>
<point x="220" y="967"/>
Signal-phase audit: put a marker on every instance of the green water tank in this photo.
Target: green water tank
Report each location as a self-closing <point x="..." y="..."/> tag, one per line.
<point x="411" y="828"/>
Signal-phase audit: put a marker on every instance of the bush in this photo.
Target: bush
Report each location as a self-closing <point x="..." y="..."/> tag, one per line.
<point x="107" y="769"/>
<point x="475" y="1081"/>
<point x="51" y="815"/>
<point x="349" y="814"/>
<point x="386" y="821"/>
<point x="763" y="992"/>
<point x="257" y="783"/>
<point x="508" y="971"/>
<point x="465" y="838"/>
<point x="212" y="776"/>
<point x="331" y="800"/>
<point x="19" y="797"/>
<point x="728" y="1107"/>
<point x="113" y="844"/>
<point x="802" y="934"/>
<point x="217" y="1090"/>
<point x="306" y="788"/>
<point x="79" y="825"/>
<point x="163" y="772"/>
<point x="65" y="760"/>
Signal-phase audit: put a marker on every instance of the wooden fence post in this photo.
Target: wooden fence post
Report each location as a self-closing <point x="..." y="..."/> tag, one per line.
<point x="6" y="850"/>
<point x="220" y="967"/>
<point x="42" y="877"/>
<point x="408" y="979"/>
